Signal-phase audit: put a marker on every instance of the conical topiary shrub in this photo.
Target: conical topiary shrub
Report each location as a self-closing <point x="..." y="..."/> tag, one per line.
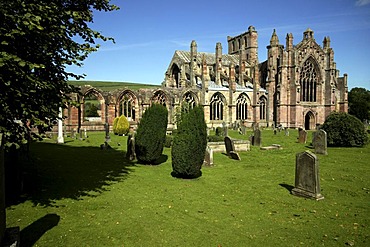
<point x="121" y="126"/>
<point x="151" y="134"/>
<point x="189" y="145"/>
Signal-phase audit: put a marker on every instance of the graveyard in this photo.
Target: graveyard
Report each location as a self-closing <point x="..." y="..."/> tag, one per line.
<point x="78" y="194"/>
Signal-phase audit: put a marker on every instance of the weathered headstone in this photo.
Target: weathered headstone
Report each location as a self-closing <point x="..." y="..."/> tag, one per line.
<point x="224" y="129"/>
<point x="320" y="142"/>
<point x="229" y="145"/>
<point x="130" y="154"/>
<point x="286" y="132"/>
<point x="257" y="137"/>
<point x="302" y="136"/>
<point x="234" y="155"/>
<point x="85" y="132"/>
<point x="307" y="180"/>
<point x="208" y="158"/>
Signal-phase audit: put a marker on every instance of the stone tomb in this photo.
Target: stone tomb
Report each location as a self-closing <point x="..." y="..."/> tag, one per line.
<point x="307" y="180"/>
<point x="319" y="142"/>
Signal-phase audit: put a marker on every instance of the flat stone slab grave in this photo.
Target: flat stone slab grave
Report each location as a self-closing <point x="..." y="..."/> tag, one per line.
<point x="272" y="147"/>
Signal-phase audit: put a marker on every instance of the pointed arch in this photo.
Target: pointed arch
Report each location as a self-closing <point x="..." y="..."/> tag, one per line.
<point x="92" y="107"/>
<point x="190" y="98"/>
<point x="242" y="107"/>
<point x="175" y="75"/>
<point x="127" y="105"/>
<point x="309" y="121"/>
<point x="217" y="103"/>
<point x="160" y="97"/>
<point x="309" y="80"/>
<point x="262" y="103"/>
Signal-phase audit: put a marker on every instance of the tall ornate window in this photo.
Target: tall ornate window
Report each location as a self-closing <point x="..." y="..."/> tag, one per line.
<point x="190" y="100"/>
<point x="308" y="81"/>
<point x="242" y="107"/>
<point x="217" y="107"/>
<point x="159" y="98"/>
<point x="262" y="102"/>
<point x="127" y="106"/>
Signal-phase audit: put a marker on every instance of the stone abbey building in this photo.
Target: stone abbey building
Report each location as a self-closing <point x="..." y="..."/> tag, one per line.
<point x="297" y="86"/>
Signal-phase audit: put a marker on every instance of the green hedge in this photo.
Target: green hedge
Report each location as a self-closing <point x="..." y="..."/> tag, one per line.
<point x="151" y="134"/>
<point x="344" y="130"/>
<point x="189" y="145"/>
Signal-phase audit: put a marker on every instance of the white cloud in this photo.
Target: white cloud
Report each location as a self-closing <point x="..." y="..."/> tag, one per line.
<point x="362" y="2"/>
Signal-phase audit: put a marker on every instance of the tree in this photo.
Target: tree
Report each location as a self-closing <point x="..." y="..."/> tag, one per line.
<point x="344" y="130"/>
<point x="359" y="103"/>
<point x="38" y="39"/>
<point x="121" y="126"/>
<point x="151" y="134"/>
<point x="189" y="144"/>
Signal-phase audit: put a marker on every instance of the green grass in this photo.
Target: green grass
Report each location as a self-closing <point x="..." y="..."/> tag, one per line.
<point x="84" y="196"/>
<point x="110" y="86"/>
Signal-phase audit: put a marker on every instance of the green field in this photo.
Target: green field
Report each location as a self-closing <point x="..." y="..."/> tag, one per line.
<point x="80" y="195"/>
<point x="110" y="86"/>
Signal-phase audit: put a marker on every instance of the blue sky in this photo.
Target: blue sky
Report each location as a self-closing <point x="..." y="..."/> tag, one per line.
<point x="148" y="32"/>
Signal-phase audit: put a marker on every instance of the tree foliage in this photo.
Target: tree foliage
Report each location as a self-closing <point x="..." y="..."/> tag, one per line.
<point x="38" y="39"/>
<point x="359" y="103"/>
<point x="189" y="145"/>
<point x="344" y="130"/>
<point x="151" y="134"/>
<point x="121" y="125"/>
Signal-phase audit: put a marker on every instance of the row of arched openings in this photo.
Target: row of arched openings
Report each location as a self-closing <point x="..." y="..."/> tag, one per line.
<point x="128" y="101"/>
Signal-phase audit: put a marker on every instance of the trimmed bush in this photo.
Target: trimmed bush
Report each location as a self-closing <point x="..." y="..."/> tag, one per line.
<point x="189" y="145"/>
<point x="151" y="134"/>
<point x="122" y="126"/>
<point x="168" y="142"/>
<point x="344" y="130"/>
<point x="115" y="121"/>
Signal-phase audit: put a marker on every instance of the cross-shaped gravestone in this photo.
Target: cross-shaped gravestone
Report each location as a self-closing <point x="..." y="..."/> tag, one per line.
<point x="307" y="180"/>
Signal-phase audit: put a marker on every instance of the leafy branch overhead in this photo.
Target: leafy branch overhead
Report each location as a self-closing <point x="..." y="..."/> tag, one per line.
<point x="38" y="39"/>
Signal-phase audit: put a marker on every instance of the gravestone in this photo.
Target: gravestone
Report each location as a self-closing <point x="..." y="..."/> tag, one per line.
<point x="302" y="136"/>
<point x="224" y="129"/>
<point x="286" y="131"/>
<point x="208" y="158"/>
<point x="320" y="142"/>
<point x="85" y="132"/>
<point x="234" y="155"/>
<point x="229" y="145"/>
<point x="307" y="180"/>
<point x="257" y="138"/>
<point x="130" y="154"/>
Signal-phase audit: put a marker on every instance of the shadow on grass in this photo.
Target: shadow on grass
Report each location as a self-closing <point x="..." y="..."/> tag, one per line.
<point x="60" y="171"/>
<point x="288" y="187"/>
<point x="34" y="232"/>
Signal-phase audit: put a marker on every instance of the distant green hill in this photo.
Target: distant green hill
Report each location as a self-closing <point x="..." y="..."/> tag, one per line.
<point x="110" y="85"/>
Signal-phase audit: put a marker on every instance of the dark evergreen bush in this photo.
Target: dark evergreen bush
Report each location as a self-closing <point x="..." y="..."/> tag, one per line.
<point x="151" y="134"/>
<point x="168" y="142"/>
<point x="189" y="145"/>
<point x="344" y="130"/>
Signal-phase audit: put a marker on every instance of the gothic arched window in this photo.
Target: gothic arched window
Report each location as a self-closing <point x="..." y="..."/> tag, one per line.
<point x="217" y="107"/>
<point x="262" y="102"/>
<point x="190" y="100"/>
<point x="308" y="81"/>
<point x="242" y="107"/>
<point x="159" y="98"/>
<point x="127" y="106"/>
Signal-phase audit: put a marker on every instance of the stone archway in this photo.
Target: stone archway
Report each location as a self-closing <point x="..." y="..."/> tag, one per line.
<point x="309" y="121"/>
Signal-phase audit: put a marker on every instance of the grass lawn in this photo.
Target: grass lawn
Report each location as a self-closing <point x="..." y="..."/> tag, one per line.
<point x="79" y="195"/>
